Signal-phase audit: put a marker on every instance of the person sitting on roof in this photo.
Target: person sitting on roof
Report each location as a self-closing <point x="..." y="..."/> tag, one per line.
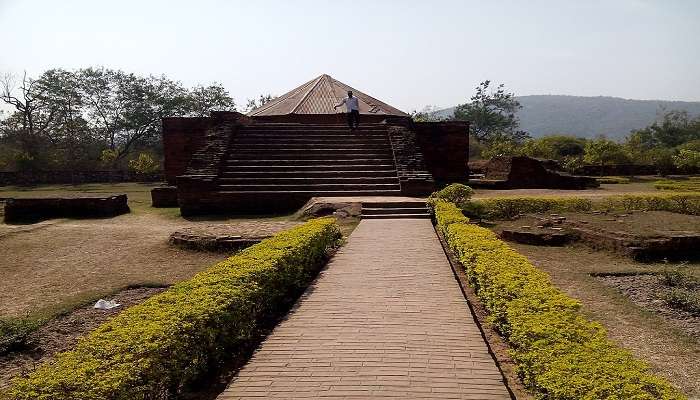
<point x="353" y="108"/>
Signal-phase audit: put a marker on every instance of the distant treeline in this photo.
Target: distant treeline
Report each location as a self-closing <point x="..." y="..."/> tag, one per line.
<point x="671" y="145"/>
<point x="94" y="118"/>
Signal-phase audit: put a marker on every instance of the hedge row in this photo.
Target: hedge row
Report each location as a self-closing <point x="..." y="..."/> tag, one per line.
<point x="685" y="185"/>
<point x="559" y="354"/>
<point x="613" y="180"/>
<point x="509" y="207"/>
<point x="154" y="348"/>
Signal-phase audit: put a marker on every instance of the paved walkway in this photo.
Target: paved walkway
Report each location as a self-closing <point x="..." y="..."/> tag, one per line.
<point x="386" y="319"/>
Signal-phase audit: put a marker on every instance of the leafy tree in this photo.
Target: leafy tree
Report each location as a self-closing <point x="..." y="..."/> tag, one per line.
<point x="674" y="129"/>
<point x="144" y="164"/>
<point x="492" y="114"/>
<point x="427" y="114"/>
<point x="555" y="147"/>
<point x="65" y="119"/>
<point x="501" y="146"/>
<point x="688" y="160"/>
<point x="604" y="151"/>
<point x="263" y="99"/>
<point x="204" y="99"/>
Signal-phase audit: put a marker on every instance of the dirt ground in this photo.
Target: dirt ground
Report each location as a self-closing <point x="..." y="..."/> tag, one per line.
<point x="671" y="352"/>
<point x="62" y="333"/>
<point x="648" y="292"/>
<point x="64" y="260"/>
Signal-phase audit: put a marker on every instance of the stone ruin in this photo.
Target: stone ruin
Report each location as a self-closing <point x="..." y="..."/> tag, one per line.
<point x="557" y="230"/>
<point x="85" y="206"/>
<point x="522" y="172"/>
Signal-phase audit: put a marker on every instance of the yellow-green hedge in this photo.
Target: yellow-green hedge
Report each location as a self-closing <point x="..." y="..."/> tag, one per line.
<point x="559" y="353"/>
<point x="614" y="180"/>
<point x="509" y="207"/>
<point x="155" y="347"/>
<point x="681" y="185"/>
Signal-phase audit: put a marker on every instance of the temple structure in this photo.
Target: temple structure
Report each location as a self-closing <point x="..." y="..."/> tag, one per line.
<point x="298" y="146"/>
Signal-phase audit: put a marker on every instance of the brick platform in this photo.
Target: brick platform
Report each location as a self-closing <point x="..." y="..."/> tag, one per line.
<point x="386" y="319"/>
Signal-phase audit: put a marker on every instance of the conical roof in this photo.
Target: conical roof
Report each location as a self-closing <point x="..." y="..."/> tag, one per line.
<point x="318" y="96"/>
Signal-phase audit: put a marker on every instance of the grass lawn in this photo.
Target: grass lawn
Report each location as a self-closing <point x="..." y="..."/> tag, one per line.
<point x="56" y="264"/>
<point x="638" y="185"/>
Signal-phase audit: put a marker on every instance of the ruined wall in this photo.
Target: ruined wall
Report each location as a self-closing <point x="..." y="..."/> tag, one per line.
<point x="445" y="148"/>
<point x="22" y="178"/>
<point x="181" y="138"/>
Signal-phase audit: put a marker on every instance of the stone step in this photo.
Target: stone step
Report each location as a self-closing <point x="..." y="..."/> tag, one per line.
<point x="308" y="181"/>
<point x="394" y="211"/>
<point x="313" y="128"/>
<point x="296" y="161"/>
<point x="310" y="149"/>
<point x="394" y="204"/>
<point x="308" y="168"/>
<point x="310" y="146"/>
<point x="397" y="216"/>
<point x="306" y="139"/>
<point x="310" y="193"/>
<point x="308" y="173"/>
<point x="239" y="156"/>
<point x="312" y="187"/>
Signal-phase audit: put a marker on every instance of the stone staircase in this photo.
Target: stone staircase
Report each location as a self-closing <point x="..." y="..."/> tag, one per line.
<point x="394" y="210"/>
<point x="266" y="160"/>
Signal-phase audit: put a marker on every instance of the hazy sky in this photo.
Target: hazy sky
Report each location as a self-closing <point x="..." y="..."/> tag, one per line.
<point x="408" y="53"/>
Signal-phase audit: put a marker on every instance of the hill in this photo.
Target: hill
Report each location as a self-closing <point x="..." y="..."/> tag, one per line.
<point x="590" y="116"/>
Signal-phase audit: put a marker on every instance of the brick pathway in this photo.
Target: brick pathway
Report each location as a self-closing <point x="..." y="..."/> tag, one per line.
<point x="386" y="319"/>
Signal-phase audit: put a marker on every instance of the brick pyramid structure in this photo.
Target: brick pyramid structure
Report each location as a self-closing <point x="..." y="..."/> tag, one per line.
<point x="297" y="147"/>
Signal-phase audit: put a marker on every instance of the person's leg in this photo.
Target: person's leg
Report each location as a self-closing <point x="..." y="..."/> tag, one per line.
<point x="350" y="120"/>
<point x="357" y="118"/>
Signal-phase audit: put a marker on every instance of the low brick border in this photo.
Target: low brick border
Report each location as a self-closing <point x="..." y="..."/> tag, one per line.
<point x="206" y="242"/>
<point x="38" y="209"/>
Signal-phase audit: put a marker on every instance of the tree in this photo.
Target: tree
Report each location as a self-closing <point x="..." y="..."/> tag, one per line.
<point x="603" y="151"/>
<point x="555" y="147"/>
<point x="34" y="112"/>
<point x="500" y="147"/>
<point x="492" y="114"/>
<point x="67" y="119"/>
<point x="263" y="99"/>
<point x="427" y="114"/>
<point x="687" y="159"/>
<point x="143" y="164"/>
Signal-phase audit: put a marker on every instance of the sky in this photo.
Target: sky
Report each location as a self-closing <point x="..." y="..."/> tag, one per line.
<point x="407" y="53"/>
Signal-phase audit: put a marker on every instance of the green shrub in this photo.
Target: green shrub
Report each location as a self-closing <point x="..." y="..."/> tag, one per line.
<point x="446" y="213"/>
<point x="613" y="180"/>
<point x="689" y="185"/>
<point x="15" y="332"/>
<point x="152" y="349"/>
<point x="455" y="193"/>
<point x="510" y="207"/>
<point x="559" y="354"/>
<point x="684" y="299"/>
<point x="679" y="277"/>
<point x="674" y="202"/>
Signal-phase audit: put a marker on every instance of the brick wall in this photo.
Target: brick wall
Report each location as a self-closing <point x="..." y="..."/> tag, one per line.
<point x="445" y="148"/>
<point x="181" y="138"/>
<point x="21" y="178"/>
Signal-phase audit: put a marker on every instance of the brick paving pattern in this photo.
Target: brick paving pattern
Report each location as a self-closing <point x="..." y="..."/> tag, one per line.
<point x="386" y="319"/>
